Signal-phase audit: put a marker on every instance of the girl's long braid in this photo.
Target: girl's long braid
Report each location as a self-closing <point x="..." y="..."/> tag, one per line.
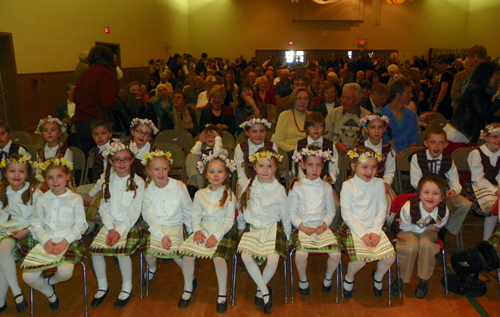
<point x="389" y="135"/>
<point x="227" y="192"/>
<point x="131" y="185"/>
<point x="359" y="138"/>
<point x="105" y="186"/>
<point x="3" y="192"/>
<point x="245" y="197"/>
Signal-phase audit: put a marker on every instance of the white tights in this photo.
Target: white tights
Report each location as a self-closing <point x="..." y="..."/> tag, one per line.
<point x="188" y="272"/>
<point x="35" y="280"/>
<point x="8" y="276"/>
<point x="354" y="267"/>
<point x="261" y="279"/>
<point x="301" y="263"/>
<point x="125" y="264"/>
<point x="489" y="226"/>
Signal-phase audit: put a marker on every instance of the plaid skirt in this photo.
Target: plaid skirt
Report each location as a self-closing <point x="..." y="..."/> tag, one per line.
<point x="145" y="247"/>
<point x="348" y="244"/>
<point x="295" y="243"/>
<point x="134" y="240"/>
<point x="72" y="255"/>
<point x="93" y="208"/>
<point x="281" y="247"/>
<point x="482" y="201"/>
<point x="23" y="247"/>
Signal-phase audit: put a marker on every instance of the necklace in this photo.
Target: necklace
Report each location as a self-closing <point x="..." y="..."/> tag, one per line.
<point x="295" y="120"/>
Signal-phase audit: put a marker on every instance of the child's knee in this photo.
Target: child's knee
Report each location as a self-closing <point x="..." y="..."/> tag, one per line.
<point x="219" y="260"/>
<point x="65" y="272"/>
<point x="273" y="259"/>
<point x="301" y="256"/>
<point x="30" y="278"/>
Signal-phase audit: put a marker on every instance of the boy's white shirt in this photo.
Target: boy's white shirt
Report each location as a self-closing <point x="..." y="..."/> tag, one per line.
<point x="407" y="226"/>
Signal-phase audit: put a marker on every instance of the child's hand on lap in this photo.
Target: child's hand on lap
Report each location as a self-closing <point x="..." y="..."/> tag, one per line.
<point x="112" y="238"/>
<point x="87" y="200"/>
<point x="307" y="230"/>
<point x="20" y="234"/>
<point x="166" y="243"/>
<point x="367" y="240"/>
<point x="432" y="228"/>
<point x="49" y="247"/>
<point x="375" y="239"/>
<point x="211" y="242"/>
<point x="199" y="237"/>
<point x="322" y="228"/>
<point x="60" y="247"/>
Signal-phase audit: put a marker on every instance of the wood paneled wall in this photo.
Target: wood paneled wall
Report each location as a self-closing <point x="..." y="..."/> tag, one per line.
<point x="40" y="93"/>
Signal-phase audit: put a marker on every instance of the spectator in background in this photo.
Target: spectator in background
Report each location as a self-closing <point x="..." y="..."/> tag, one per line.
<point x="201" y="65"/>
<point x="66" y="110"/>
<point x="328" y="96"/>
<point x="443" y="101"/>
<point x="284" y="87"/>
<point x="377" y="99"/>
<point x="180" y="116"/>
<point x="82" y="65"/>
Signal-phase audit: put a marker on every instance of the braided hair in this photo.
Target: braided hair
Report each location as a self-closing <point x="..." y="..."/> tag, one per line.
<point x="27" y="195"/>
<point x="131" y="185"/>
<point x="228" y="193"/>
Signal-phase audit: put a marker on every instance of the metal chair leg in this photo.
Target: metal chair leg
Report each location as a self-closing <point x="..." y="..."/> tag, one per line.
<point x="389" y="276"/>
<point x="341" y="286"/>
<point x="85" y="294"/>
<point x="32" y="302"/>
<point x="147" y="280"/>
<point x="292" y="286"/>
<point x="445" y="271"/>
<point x="498" y="278"/>
<point x="286" y="280"/>
<point x="233" y="279"/>
<point x="398" y="272"/>
<point x="337" y="280"/>
<point x="141" y="266"/>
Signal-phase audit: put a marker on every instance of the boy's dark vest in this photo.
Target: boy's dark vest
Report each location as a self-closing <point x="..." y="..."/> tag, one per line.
<point x="246" y="153"/>
<point x="415" y="214"/>
<point x="60" y="152"/>
<point x="490" y="171"/>
<point x="327" y="145"/>
<point x="386" y="149"/>
<point x="423" y="162"/>
<point x="14" y="149"/>
<point x="98" y="165"/>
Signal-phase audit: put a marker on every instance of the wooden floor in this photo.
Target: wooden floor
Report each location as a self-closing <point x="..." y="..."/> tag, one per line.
<point x="166" y="289"/>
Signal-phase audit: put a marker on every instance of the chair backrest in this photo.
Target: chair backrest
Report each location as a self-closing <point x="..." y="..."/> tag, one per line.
<point x="79" y="162"/>
<point x="430" y="116"/>
<point x="437" y="123"/>
<point x="21" y="137"/>
<point x="399" y="202"/>
<point x="33" y="151"/>
<point x="421" y="138"/>
<point x="284" y="165"/>
<point x="460" y="156"/>
<point x="88" y="166"/>
<point x="228" y="140"/>
<point x="403" y="165"/>
<point x="181" y="138"/>
<point x="178" y="157"/>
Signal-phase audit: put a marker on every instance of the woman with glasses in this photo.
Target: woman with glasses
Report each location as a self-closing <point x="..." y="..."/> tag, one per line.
<point x="216" y="112"/>
<point x="145" y="108"/>
<point x="248" y="106"/>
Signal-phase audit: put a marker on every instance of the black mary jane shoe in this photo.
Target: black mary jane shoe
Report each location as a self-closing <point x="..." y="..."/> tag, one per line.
<point x="97" y="301"/>
<point x="268" y="307"/>
<point x="422" y="288"/>
<point x="145" y="278"/>
<point x="3" y="308"/>
<point x="259" y="301"/>
<point x="347" y="294"/>
<point x="304" y="291"/>
<point x="221" y="307"/>
<point x="377" y="292"/>
<point x="120" y="303"/>
<point x="327" y="289"/>
<point x="183" y="303"/>
<point x="22" y="306"/>
<point x="54" y="305"/>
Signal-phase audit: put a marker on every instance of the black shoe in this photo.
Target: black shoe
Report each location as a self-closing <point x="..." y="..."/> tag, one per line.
<point x="183" y="303"/>
<point x="22" y="306"/>
<point x="422" y="288"/>
<point x="221" y="307"/>
<point x="259" y="301"/>
<point x="397" y="287"/>
<point x="304" y="291"/>
<point x="348" y="294"/>
<point x="268" y="307"/>
<point x="145" y="277"/>
<point x="120" y="303"/>
<point x="97" y="301"/>
<point x="377" y="292"/>
<point x="3" y="308"/>
<point x="54" y="305"/>
<point x="192" y="190"/>
<point x="327" y="289"/>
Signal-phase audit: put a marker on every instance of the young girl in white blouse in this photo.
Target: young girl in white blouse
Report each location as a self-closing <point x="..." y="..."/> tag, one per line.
<point x="166" y="207"/>
<point x="120" y="209"/>
<point x="312" y="210"/>
<point x="51" y="130"/>
<point x="214" y="234"/>
<point x="58" y="225"/>
<point x="363" y="206"/>
<point x="18" y="195"/>
<point x="143" y="132"/>
<point x="483" y="188"/>
<point x="256" y="130"/>
<point x="265" y="215"/>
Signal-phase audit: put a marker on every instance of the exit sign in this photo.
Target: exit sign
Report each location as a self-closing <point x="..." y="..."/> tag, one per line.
<point x="106" y="29"/>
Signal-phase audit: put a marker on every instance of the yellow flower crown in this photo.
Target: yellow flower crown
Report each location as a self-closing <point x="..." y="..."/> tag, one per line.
<point x="363" y="158"/>
<point x="257" y="156"/>
<point x="54" y="162"/>
<point x="23" y="159"/>
<point x="157" y="153"/>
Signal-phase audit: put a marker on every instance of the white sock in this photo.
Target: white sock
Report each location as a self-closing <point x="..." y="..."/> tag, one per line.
<point x="188" y="272"/>
<point x="100" y="271"/>
<point x="125" y="263"/>
<point x="489" y="226"/>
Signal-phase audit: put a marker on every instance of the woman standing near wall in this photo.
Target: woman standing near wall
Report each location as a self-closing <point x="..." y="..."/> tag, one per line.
<point x="95" y="94"/>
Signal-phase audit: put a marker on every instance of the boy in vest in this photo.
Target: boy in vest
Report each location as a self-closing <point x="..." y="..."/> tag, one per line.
<point x="433" y="160"/>
<point x="7" y="147"/>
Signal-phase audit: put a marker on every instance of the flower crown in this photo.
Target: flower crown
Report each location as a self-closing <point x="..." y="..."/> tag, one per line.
<point x="117" y="146"/>
<point x="205" y="159"/>
<point x="149" y="123"/>
<point x="158" y="153"/>
<point x="367" y="119"/>
<point x="325" y="155"/>
<point x="363" y="158"/>
<point x="257" y="156"/>
<point x="49" y="119"/>
<point x="488" y="130"/>
<point x="254" y="121"/>
<point x="11" y="160"/>
<point x="54" y="162"/>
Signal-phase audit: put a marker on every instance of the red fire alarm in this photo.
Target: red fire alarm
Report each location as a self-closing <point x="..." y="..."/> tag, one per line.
<point x="106" y="29"/>
<point x="290" y="42"/>
<point x="361" y="42"/>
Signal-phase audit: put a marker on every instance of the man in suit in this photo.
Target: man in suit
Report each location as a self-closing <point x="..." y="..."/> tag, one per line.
<point x="378" y="98"/>
<point x="65" y="111"/>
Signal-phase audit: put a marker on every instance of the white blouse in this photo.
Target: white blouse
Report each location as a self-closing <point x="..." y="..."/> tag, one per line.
<point x="145" y="149"/>
<point x="16" y="210"/>
<point x="170" y="206"/>
<point x="22" y="151"/>
<point x="122" y="210"/>
<point x="311" y="203"/>
<point x="407" y="226"/>
<point x="209" y="216"/>
<point x="477" y="171"/>
<point x="59" y="217"/>
<point x="268" y="203"/>
<point x="363" y="205"/>
<point x="390" y="162"/>
<point x="51" y="152"/>
<point x="451" y="175"/>
<point x="239" y="158"/>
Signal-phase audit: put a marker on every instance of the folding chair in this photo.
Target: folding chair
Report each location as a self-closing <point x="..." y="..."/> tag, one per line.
<point x="397" y="204"/>
<point x="21" y="137"/>
<point x="181" y="138"/>
<point x="421" y="138"/>
<point x="228" y="140"/>
<point x="403" y="165"/>
<point x="430" y="116"/>
<point x="33" y="151"/>
<point x="178" y="157"/>
<point x="79" y="163"/>
<point x="437" y="123"/>
<point x="88" y="166"/>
